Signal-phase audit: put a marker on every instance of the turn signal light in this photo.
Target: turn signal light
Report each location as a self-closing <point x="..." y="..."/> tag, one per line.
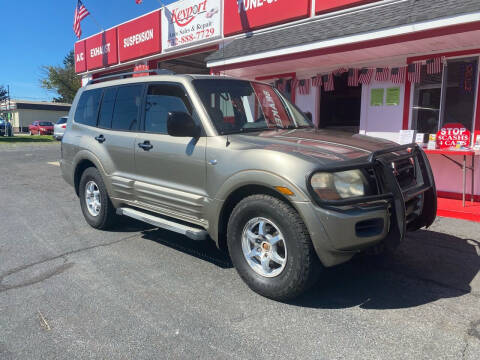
<point x="284" y="190"/>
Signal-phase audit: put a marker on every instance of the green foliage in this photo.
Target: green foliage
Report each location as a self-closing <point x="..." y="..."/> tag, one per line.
<point x="62" y="79"/>
<point x="3" y="93"/>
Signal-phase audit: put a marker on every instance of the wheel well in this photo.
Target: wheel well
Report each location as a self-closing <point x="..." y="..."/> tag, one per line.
<point x="233" y="199"/>
<point x="81" y="167"/>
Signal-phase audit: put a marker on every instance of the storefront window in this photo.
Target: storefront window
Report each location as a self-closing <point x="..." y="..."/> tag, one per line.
<point x="460" y="92"/>
<point x="447" y="97"/>
<point x="426" y="103"/>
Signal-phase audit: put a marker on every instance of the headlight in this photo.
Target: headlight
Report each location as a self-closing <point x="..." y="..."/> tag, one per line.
<point x="339" y="185"/>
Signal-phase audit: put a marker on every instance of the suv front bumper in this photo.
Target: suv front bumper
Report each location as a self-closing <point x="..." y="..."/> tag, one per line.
<point x="340" y="229"/>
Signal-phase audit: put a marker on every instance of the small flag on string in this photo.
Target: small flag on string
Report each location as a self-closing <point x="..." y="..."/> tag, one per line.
<point x="317" y="81"/>
<point x="81" y="13"/>
<point x="414" y="72"/>
<point x="434" y="66"/>
<point x="138" y="1"/>
<point x="304" y="87"/>
<point x="340" y="71"/>
<point x="281" y="85"/>
<point x="382" y="74"/>
<point x="398" y="75"/>
<point x="328" y="84"/>
<point x="352" y="77"/>
<point x="365" y="76"/>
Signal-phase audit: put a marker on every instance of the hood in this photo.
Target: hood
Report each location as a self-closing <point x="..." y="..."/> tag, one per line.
<point x="326" y="145"/>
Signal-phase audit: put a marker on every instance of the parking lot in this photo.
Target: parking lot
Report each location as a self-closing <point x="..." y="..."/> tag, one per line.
<point x="69" y="291"/>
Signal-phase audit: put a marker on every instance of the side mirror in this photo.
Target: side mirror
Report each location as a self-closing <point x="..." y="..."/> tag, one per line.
<point x="181" y="124"/>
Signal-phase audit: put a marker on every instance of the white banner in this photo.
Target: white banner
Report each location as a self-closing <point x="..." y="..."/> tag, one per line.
<point x="189" y="22"/>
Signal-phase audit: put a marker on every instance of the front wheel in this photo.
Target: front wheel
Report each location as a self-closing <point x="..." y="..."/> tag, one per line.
<point x="94" y="201"/>
<point x="271" y="248"/>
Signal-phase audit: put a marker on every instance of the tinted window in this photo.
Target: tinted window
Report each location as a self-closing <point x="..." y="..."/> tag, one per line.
<point x="106" y="109"/>
<point x="127" y="104"/>
<point x="87" y="108"/>
<point x="162" y="99"/>
<point x="46" y="123"/>
<point x="62" y="120"/>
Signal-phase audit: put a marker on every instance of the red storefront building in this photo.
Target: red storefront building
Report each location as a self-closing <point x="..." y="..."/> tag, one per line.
<point x="372" y="67"/>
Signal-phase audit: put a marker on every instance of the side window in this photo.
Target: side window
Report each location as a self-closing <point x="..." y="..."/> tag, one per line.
<point x="106" y="109"/>
<point x="87" y="108"/>
<point x="162" y="99"/>
<point x="127" y="104"/>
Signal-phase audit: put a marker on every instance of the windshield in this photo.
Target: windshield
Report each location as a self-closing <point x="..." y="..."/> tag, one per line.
<point x="237" y="106"/>
<point x="45" y="123"/>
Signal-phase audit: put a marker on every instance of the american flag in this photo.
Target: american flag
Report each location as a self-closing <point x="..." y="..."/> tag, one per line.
<point x="81" y="13"/>
<point x="382" y="74"/>
<point x="138" y="1"/>
<point x="398" y="75"/>
<point x="340" y="71"/>
<point x="434" y="66"/>
<point x="281" y="85"/>
<point x="365" y="76"/>
<point x="328" y="84"/>
<point x="414" y="72"/>
<point x="317" y="81"/>
<point x="352" y="77"/>
<point x="304" y="87"/>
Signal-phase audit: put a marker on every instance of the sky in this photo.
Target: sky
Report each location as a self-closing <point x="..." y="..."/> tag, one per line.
<point x="36" y="33"/>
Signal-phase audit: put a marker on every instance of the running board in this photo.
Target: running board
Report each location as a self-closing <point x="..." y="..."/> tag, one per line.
<point x="189" y="231"/>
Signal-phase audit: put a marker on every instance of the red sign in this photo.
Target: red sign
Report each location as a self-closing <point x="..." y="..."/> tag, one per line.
<point x="80" y="58"/>
<point x="323" y="6"/>
<point x="140" y="37"/>
<point x="452" y="136"/>
<point x="272" y="106"/>
<point x="101" y="49"/>
<point x="246" y="15"/>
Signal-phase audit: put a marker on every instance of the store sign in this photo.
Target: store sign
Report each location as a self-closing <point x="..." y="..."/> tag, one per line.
<point x="323" y="6"/>
<point x="80" y="58"/>
<point x="453" y="136"/>
<point x="246" y="15"/>
<point x="189" y="22"/>
<point x="101" y="49"/>
<point x="139" y="37"/>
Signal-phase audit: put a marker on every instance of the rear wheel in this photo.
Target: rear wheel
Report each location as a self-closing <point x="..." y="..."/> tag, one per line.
<point x="94" y="201"/>
<point x="271" y="248"/>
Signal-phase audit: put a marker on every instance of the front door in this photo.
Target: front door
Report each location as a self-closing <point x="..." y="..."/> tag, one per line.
<point x="170" y="171"/>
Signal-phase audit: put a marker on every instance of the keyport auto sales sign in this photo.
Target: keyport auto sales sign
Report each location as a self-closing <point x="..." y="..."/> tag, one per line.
<point x="453" y="136"/>
<point x="189" y="22"/>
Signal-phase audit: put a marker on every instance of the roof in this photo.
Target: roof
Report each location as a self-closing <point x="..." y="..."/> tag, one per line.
<point x="380" y="17"/>
<point x="39" y="105"/>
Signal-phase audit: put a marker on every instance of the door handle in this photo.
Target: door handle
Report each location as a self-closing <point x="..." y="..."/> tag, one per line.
<point x="145" y="145"/>
<point x="100" y="138"/>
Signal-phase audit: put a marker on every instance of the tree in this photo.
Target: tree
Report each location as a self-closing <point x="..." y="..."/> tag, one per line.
<point x="62" y="79"/>
<point x="3" y="93"/>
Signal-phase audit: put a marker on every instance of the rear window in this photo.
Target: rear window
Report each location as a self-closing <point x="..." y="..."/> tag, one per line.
<point x="87" y="108"/>
<point x="45" y="123"/>
<point x="127" y="106"/>
<point x="62" y="120"/>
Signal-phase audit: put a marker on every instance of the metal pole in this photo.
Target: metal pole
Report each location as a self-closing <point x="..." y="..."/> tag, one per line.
<point x="473" y="176"/>
<point x="464" y="178"/>
<point x="9" y="110"/>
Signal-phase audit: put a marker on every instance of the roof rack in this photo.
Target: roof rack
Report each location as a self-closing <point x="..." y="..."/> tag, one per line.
<point x="120" y="75"/>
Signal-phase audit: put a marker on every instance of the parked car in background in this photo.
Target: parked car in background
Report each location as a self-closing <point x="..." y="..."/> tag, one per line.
<point x="59" y="128"/>
<point x="41" y="128"/>
<point x="5" y="128"/>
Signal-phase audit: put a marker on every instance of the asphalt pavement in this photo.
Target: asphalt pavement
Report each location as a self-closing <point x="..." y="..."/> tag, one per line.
<point x="68" y="291"/>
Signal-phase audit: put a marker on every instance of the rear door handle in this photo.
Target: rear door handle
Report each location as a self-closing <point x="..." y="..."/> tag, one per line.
<point x="100" y="138"/>
<point x="145" y="145"/>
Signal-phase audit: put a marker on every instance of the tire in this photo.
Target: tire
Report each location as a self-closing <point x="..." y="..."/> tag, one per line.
<point x="301" y="266"/>
<point x="105" y="216"/>
<point x="30" y="132"/>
